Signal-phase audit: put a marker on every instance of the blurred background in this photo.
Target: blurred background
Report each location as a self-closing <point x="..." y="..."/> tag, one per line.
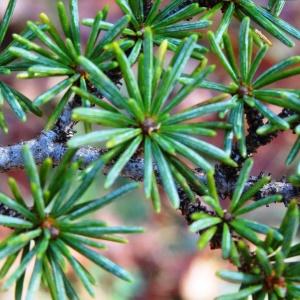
<point x="164" y="260"/>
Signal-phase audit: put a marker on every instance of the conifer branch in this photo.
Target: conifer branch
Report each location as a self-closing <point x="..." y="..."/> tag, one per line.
<point x="49" y="144"/>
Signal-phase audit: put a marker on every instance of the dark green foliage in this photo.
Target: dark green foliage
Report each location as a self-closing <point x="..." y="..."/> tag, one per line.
<point x="171" y="23"/>
<point x="57" y="55"/>
<point x="140" y="114"/>
<point x="19" y="103"/>
<point x="268" y="19"/>
<point x="144" y="118"/>
<point x="249" y="89"/>
<point x="266" y="271"/>
<point x="229" y="223"/>
<point x="47" y="231"/>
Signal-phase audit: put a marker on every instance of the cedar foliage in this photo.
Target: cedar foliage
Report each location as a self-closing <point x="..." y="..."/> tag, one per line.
<point x="144" y="120"/>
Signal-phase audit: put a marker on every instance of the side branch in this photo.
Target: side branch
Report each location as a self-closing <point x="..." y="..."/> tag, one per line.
<point x="48" y="145"/>
<point x="53" y="144"/>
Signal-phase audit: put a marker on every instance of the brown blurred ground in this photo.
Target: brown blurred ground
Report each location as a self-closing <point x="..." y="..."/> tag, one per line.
<point x="164" y="260"/>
